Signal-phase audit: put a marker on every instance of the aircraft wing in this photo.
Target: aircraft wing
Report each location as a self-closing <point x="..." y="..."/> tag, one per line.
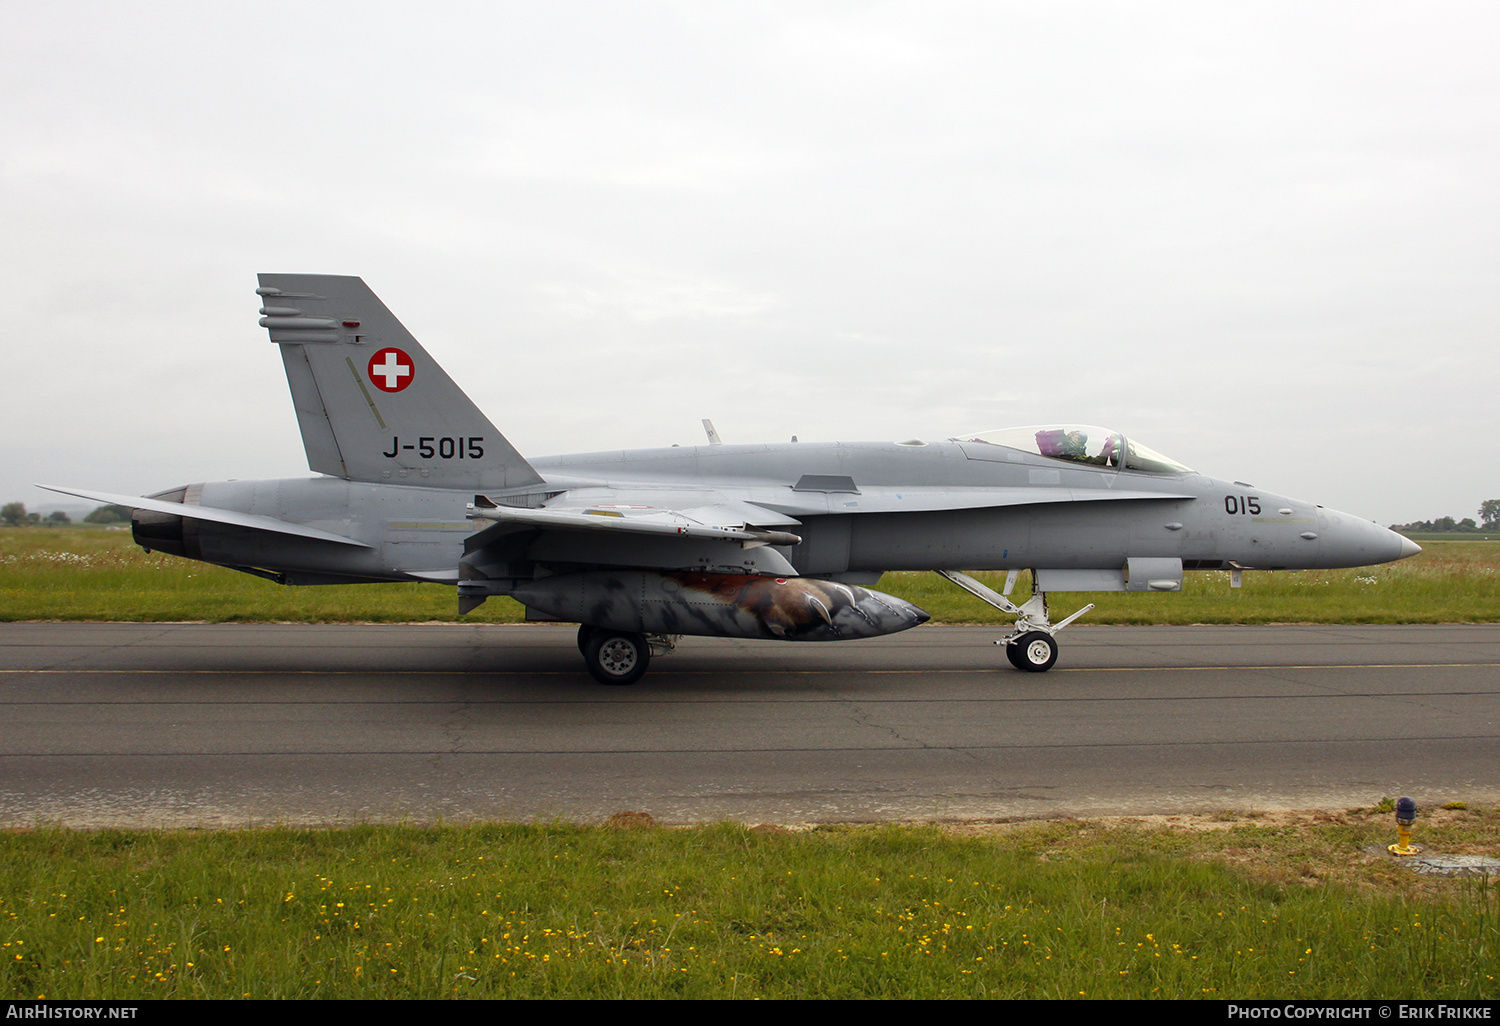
<point x="731" y="530"/>
<point x="722" y="516"/>
<point x="647" y="519"/>
<point x="218" y="516"/>
<point x="706" y="531"/>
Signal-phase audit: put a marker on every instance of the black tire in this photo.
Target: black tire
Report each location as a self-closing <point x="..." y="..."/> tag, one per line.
<point x="584" y="633"/>
<point x="616" y="657"/>
<point x="1034" y="652"/>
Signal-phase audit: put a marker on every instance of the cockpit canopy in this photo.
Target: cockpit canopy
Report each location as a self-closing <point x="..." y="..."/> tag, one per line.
<point x="1081" y="443"/>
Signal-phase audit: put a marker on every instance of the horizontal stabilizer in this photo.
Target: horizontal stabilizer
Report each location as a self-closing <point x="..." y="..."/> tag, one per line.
<point x="217" y="516"/>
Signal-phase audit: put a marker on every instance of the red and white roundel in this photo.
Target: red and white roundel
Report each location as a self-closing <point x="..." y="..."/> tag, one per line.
<point x="391" y="370"/>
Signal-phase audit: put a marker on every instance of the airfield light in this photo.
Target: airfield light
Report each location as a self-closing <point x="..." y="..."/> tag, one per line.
<point x="1406" y="815"/>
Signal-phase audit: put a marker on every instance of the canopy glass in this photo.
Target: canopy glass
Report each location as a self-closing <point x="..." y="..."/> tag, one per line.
<point x="1081" y="443"/>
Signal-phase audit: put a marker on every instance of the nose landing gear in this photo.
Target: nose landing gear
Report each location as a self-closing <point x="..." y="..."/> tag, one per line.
<point x="1032" y="645"/>
<point x="1033" y="652"/>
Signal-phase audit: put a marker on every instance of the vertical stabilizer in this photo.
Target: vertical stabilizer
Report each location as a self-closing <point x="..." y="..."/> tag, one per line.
<point x="371" y="403"/>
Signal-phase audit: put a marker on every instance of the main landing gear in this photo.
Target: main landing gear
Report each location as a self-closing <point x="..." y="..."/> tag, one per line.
<point x="1032" y="645"/>
<point x="620" y="657"/>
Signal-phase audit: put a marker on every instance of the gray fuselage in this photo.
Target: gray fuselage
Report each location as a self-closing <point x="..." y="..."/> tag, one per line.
<point x="860" y="509"/>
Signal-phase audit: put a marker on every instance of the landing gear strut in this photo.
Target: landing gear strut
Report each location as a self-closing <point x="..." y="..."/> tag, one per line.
<point x="1031" y="646"/>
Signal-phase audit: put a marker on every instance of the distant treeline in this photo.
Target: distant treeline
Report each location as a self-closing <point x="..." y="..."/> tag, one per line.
<point x="1489" y="520"/>
<point x="13" y="514"/>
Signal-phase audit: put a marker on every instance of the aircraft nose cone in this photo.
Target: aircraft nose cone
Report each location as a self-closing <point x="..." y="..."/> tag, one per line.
<point x="1353" y="541"/>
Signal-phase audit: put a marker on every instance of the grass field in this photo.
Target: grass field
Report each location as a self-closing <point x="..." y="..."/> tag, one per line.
<point x="1423" y="537"/>
<point x="1233" y="908"/>
<point x="94" y="574"/>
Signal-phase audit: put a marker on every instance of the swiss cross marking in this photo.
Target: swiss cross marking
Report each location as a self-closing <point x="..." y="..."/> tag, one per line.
<point x="391" y="370"/>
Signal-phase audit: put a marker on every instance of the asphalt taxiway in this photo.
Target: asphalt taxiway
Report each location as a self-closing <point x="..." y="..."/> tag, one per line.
<point x="204" y="724"/>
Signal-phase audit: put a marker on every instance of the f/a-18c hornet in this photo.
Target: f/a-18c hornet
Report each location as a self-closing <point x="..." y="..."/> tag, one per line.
<point x="745" y="541"/>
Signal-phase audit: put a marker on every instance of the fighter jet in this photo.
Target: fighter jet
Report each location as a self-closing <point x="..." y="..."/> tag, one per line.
<point x="642" y="547"/>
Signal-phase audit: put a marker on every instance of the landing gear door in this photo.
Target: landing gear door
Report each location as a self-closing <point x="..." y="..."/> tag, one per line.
<point x="1049" y="581"/>
<point x="1153" y="574"/>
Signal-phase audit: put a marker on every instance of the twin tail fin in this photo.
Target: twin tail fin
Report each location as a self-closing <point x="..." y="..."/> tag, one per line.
<point x="372" y="404"/>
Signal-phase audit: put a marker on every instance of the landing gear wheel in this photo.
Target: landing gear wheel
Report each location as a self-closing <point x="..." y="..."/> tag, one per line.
<point x="1033" y="652"/>
<point x="584" y="633"/>
<point x="616" y="657"/>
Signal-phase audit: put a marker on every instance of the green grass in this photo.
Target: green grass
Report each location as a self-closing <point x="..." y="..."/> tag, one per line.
<point x="1448" y="582"/>
<point x="92" y="574"/>
<point x="1063" y="909"/>
<point x="1423" y="537"/>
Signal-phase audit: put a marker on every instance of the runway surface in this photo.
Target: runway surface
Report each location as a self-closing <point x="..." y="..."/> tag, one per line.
<point x="202" y="724"/>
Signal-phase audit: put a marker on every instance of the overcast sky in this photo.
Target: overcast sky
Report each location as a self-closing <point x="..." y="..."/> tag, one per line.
<point x="1261" y="238"/>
